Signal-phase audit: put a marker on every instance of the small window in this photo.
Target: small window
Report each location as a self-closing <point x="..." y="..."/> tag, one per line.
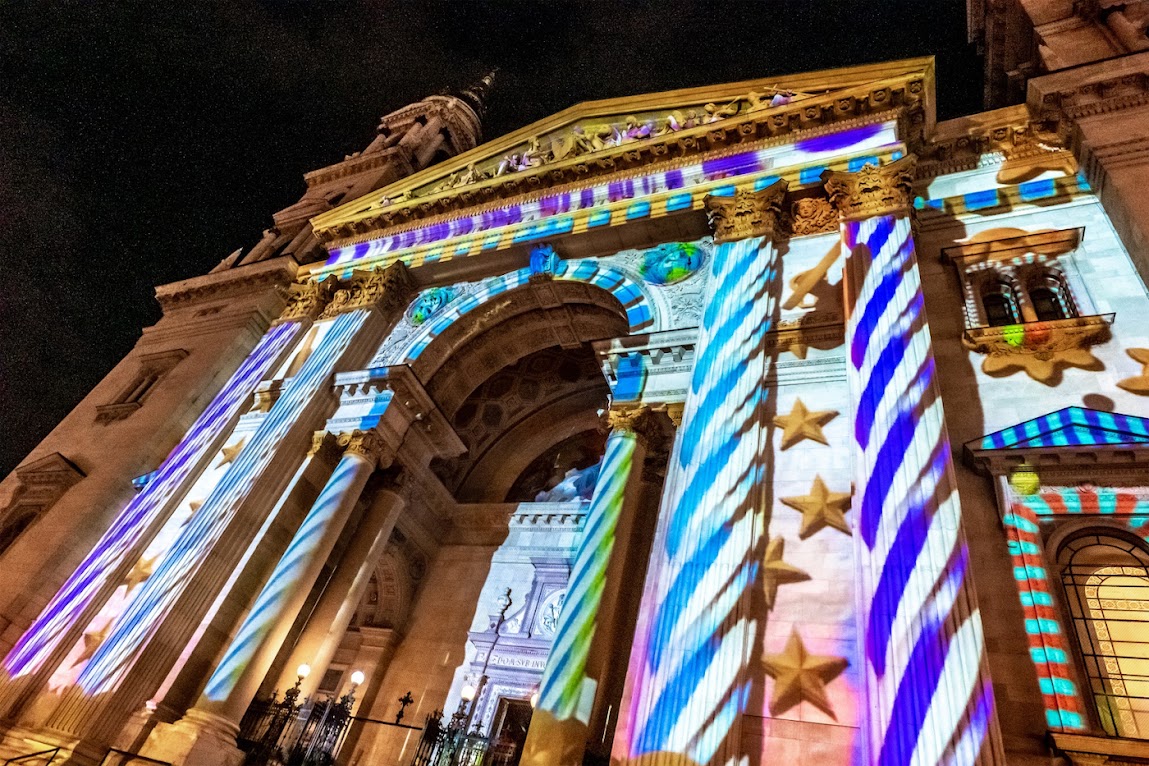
<point x="1000" y="307"/>
<point x="1106" y="581"/>
<point x="152" y="367"/>
<point x="1050" y="298"/>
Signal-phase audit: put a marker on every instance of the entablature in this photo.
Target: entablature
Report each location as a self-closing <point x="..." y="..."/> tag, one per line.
<point x="608" y="137"/>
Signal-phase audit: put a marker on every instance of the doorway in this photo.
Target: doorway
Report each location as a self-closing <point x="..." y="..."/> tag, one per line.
<point x="509" y="734"/>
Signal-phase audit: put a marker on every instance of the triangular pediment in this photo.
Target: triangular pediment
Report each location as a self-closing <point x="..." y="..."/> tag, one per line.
<point x="615" y="135"/>
<point x="1069" y="427"/>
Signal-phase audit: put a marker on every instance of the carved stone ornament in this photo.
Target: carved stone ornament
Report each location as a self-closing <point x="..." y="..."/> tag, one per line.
<point x="386" y="289"/>
<point x="368" y="445"/>
<point x="307" y="299"/>
<point x="747" y="213"/>
<point x="874" y="190"/>
<point x="321" y="442"/>
<point x="640" y="420"/>
<point x="812" y="215"/>
<point x="1040" y="349"/>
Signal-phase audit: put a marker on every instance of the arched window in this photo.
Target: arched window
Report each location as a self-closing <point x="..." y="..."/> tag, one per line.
<point x="1106" y="581"/>
<point x="1000" y="306"/>
<point x="1050" y="298"/>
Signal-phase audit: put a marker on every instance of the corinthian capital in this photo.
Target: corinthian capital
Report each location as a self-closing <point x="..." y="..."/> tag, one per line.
<point x="386" y="289"/>
<point x="639" y="420"/>
<point x="368" y="445"/>
<point x="306" y="299"/>
<point x="747" y="214"/>
<point x="874" y="190"/>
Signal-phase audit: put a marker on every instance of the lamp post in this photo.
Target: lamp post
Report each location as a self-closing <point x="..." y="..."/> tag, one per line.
<point x="504" y="603"/>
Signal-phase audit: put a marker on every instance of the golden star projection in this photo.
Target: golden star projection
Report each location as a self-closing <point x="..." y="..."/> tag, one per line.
<point x="231" y="452"/>
<point x="92" y="641"/>
<point x="777" y="572"/>
<point x="1138" y="384"/>
<point x="801" y="677"/>
<point x="821" y="508"/>
<point x="801" y="424"/>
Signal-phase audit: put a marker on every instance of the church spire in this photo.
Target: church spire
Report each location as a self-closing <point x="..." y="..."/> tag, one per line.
<point x="475" y="95"/>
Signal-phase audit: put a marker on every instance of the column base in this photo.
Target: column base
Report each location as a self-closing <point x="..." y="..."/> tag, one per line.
<point x="198" y="739"/>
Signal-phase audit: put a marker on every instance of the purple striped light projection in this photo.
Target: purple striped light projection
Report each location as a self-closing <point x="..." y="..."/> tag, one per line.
<point x="83" y="593"/>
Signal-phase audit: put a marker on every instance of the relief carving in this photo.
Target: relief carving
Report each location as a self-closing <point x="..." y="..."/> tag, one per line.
<point x="387" y="289"/>
<point x="812" y="215"/>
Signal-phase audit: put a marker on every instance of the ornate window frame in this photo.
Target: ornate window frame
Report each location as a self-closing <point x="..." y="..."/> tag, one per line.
<point x="1014" y="265"/>
<point x="151" y="369"/>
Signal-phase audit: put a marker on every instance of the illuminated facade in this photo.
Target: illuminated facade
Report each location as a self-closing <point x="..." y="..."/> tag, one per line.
<point x="754" y="423"/>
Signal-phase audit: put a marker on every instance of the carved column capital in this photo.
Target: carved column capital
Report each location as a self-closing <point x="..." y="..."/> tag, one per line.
<point x="306" y="300"/>
<point x="641" y="420"/>
<point x="368" y="445"/>
<point x="386" y="289"/>
<point x="874" y="190"/>
<point x="323" y="444"/>
<point x="747" y="214"/>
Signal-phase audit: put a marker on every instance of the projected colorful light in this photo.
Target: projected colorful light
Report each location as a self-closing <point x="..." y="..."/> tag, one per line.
<point x="61" y="621"/>
<point x="293" y="576"/>
<point x="563" y="678"/>
<point x="638" y="306"/>
<point x="558" y="725"/>
<point x="154" y="600"/>
<point x="1048" y="645"/>
<point x="590" y="207"/>
<point x="692" y="682"/>
<point x="923" y="640"/>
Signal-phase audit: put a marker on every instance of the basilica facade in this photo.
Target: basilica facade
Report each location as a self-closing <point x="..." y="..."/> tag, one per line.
<point x="769" y="422"/>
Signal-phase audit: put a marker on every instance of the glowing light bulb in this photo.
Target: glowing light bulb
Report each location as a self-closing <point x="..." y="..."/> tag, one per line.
<point x="535" y="700"/>
<point x="468" y="693"/>
<point x="357" y="678"/>
<point x="303" y="670"/>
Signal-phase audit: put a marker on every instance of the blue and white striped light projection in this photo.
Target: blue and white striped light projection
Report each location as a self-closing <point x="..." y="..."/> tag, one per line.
<point x="563" y="697"/>
<point x="290" y="583"/>
<point x="155" y="599"/>
<point x="61" y="621"/>
<point x="930" y="700"/>
<point x="693" y="645"/>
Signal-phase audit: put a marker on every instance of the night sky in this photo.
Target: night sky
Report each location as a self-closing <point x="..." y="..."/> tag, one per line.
<point x="141" y="142"/>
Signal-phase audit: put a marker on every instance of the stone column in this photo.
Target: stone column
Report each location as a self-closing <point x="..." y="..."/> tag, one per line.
<point x="927" y="683"/>
<point x="327" y="624"/>
<point x="558" y="732"/>
<point x="686" y="684"/>
<point x="206" y="735"/>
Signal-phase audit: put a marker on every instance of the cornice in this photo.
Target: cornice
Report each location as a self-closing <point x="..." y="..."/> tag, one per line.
<point x="1090" y="90"/>
<point x="228" y="283"/>
<point x="354" y="165"/>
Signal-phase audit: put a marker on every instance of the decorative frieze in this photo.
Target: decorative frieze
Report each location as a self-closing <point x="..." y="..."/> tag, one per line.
<point x="874" y="190"/>
<point x="747" y="213"/>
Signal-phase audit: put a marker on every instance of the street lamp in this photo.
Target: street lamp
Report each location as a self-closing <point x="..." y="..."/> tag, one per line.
<point x="504" y="602"/>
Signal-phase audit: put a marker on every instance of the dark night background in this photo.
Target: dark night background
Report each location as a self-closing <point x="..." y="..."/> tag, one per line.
<point x="141" y="142"/>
